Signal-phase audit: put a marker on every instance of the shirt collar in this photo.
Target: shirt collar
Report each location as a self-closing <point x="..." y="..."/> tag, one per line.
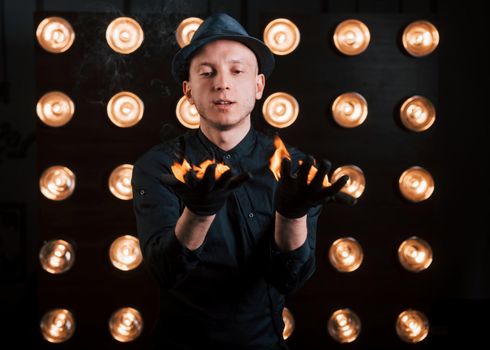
<point x="243" y="148"/>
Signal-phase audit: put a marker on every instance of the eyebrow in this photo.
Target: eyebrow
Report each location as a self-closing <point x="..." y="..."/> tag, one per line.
<point x="229" y="61"/>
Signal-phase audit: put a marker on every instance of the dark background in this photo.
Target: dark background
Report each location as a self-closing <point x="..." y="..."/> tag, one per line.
<point x="453" y="293"/>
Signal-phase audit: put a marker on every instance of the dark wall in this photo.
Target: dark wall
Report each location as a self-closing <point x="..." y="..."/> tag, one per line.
<point x="453" y="291"/>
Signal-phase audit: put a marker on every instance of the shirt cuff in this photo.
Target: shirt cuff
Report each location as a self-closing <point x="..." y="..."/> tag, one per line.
<point x="293" y="257"/>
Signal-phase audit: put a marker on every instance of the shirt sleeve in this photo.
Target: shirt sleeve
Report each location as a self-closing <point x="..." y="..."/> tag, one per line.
<point x="157" y="210"/>
<point x="288" y="271"/>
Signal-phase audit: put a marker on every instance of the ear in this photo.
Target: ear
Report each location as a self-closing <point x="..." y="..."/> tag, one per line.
<point x="186" y="88"/>
<point x="259" y="86"/>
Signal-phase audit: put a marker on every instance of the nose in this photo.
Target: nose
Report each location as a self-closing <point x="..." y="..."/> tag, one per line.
<point x="222" y="81"/>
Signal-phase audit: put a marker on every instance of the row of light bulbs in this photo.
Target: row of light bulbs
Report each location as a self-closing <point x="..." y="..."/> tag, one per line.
<point x="280" y="109"/>
<point x="126" y="324"/>
<point x="58" y="256"/>
<point x="345" y="254"/>
<point x="351" y="36"/>
<point x="58" y="182"/>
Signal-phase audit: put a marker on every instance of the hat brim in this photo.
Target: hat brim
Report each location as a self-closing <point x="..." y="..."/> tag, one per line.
<point x="265" y="58"/>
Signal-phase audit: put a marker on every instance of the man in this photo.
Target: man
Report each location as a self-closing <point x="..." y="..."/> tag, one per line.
<point x="226" y="246"/>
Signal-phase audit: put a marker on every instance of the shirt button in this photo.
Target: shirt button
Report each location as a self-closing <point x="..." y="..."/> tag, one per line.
<point x="251" y="215"/>
<point x="227" y="156"/>
<point x="142" y="192"/>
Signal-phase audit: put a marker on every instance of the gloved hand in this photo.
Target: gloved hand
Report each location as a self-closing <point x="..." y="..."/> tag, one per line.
<point x="205" y="196"/>
<point x="294" y="196"/>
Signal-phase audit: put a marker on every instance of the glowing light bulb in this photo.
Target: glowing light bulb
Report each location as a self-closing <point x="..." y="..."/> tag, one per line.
<point x="351" y="37"/>
<point x="186" y="29"/>
<point x="57" y="182"/>
<point x="417" y="113"/>
<point x="125" y="253"/>
<point x="420" y="38"/>
<point x="412" y="326"/>
<point x="350" y="109"/>
<point x="57" y="325"/>
<point x="57" y="256"/>
<point x="344" y="326"/>
<point x="55" y="34"/>
<point x="416" y="184"/>
<point x="281" y="36"/>
<point x="124" y="35"/>
<point x="280" y="109"/>
<point x="120" y="182"/>
<point x="415" y="254"/>
<point x="187" y="113"/>
<point x="357" y="182"/>
<point x="126" y="324"/>
<point x="345" y="254"/>
<point x="125" y="109"/>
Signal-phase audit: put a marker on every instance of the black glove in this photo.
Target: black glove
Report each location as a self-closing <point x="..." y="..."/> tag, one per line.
<point x="294" y="196"/>
<point x="205" y="196"/>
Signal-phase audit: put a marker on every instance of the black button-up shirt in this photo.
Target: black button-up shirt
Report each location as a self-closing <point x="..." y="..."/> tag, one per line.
<point x="228" y="293"/>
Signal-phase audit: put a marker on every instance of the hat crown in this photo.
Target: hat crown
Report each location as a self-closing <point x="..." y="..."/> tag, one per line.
<point x="219" y="24"/>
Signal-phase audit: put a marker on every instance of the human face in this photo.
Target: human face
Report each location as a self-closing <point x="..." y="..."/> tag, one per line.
<point x="224" y="84"/>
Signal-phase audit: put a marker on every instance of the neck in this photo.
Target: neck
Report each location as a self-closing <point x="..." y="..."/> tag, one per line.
<point x="229" y="138"/>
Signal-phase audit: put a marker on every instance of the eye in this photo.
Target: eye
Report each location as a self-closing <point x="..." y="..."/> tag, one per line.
<point x="206" y="74"/>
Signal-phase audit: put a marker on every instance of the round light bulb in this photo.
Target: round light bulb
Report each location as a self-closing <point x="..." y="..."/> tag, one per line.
<point x="55" y="108"/>
<point x="357" y="182"/>
<point x="57" y="182"/>
<point x="351" y="37"/>
<point x="412" y="326"/>
<point x="57" y="325"/>
<point x="55" y="34"/>
<point x="350" y="109"/>
<point x="281" y="36"/>
<point x="125" y="109"/>
<point x="186" y="29"/>
<point x="124" y="35"/>
<point x="57" y="256"/>
<point x="187" y="113"/>
<point x="416" y="184"/>
<point x="415" y="254"/>
<point x="120" y="182"/>
<point x="125" y="253"/>
<point x="345" y="254"/>
<point x="420" y="38"/>
<point x="280" y="109"/>
<point x="126" y="324"/>
<point x="417" y="113"/>
<point x="344" y="326"/>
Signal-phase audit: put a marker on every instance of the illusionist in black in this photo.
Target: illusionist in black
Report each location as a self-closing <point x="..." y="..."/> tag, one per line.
<point x="226" y="247"/>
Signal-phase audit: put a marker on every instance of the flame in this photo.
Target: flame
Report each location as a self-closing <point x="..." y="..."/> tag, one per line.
<point x="276" y="159"/>
<point x="180" y="170"/>
<point x="282" y="152"/>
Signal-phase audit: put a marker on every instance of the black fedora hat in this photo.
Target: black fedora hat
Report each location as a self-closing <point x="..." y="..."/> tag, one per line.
<point x="215" y="27"/>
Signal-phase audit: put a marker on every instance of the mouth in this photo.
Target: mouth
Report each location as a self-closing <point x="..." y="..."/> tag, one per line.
<point x="224" y="104"/>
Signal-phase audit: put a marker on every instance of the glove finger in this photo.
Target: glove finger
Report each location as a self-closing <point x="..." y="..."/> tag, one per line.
<point x="304" y="169"/>
<point x="169" y="179"/>
<point x="286" y="168"/>
<point x="208" y="180"/>
<point x="323" y="169"/>
<point x="345" y="198"/>
<point x="191" y="178"/>
<point x="336" y="186"/>
<point x="224" y="179"/>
